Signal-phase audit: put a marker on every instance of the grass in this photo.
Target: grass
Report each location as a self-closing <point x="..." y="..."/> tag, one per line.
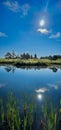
<point x="30" y="62"/>
<point x="11" y="119"/>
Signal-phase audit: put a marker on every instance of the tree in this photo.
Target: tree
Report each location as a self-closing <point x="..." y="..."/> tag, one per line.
<point x="50" y="58"/>
<point x="35" y="56"/>
<point x="8" y="55"/>
<point x="31" y="57"/>
<point x="13" y="55"/>
<point x="55" y="57"/>
<point x="22" y="56"/>
<point x="25" y="56"/>
<point x="17" y="56"/>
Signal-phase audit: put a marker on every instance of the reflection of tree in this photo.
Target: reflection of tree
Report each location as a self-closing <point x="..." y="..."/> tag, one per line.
<point x="54" y="69"/>
<point x="7" y="68"/>
<point x="13" y="69"/>
<point x="10" y="68"/>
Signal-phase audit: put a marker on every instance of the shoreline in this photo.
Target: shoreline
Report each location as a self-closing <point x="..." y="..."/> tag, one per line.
<point x="30" y="62"/>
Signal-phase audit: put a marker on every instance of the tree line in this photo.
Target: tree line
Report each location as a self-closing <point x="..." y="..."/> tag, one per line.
<point x="54" y="57"/>
<point x="13" y="55"/>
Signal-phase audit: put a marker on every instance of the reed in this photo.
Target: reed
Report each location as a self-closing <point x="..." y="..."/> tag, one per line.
<point x="49" y="114"/>
<point x="1" y="111"/>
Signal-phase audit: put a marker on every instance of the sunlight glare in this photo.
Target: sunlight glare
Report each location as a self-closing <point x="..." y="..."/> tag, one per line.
<point x="42" y="22"/>
<point x="39" y="96"/>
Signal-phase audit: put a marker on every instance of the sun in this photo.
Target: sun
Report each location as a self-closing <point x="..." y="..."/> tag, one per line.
<point x="42" y="22"/>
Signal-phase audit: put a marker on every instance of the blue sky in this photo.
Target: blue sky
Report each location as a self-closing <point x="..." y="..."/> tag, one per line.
<point x="21" y="29"/>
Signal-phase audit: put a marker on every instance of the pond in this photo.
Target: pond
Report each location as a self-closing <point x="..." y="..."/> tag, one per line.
<point x="37" y="81"/>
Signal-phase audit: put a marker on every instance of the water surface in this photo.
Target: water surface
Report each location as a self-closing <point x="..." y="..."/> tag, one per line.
<point x="38" y="82"/>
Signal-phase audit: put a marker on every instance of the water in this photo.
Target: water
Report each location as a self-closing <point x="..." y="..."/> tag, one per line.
<point x="37" y="82"/>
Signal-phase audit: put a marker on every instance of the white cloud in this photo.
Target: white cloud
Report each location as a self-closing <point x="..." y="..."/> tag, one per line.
<point x="54" y="36"/>
<point x="25" y="8"/>
<point x="43" y="31"/>
<point x="15" y="7"/>
<point x="3" y="34"/>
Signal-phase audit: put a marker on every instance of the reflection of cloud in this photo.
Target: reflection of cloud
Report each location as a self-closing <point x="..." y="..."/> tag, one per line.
<point x="55" y="86"/>
<point x="59" y="82"/>
<point x="2" y="85"/>
<point x="41" y="90"/>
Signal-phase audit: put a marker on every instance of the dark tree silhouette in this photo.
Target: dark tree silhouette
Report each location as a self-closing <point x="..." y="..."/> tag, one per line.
<point x="25" y="56"/>
<point x="31" y="57"/>
<point x="8" y="55"/>
<point x="13" y="55"/>
<point x="35" y="56"/>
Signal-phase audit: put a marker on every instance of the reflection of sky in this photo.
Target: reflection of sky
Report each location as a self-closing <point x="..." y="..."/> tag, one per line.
<point x="29" y="80"/>
<point x="40" y="93"/>
<point x="2" y="85"/>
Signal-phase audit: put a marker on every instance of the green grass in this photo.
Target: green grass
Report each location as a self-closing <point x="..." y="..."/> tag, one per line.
<point x="30" y="62"/>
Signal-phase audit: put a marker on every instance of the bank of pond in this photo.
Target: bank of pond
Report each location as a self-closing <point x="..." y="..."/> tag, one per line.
<point x="30" y="62"/>
<point x="23" y="115"/>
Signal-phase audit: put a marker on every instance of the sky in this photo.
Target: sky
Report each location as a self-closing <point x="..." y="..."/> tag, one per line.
<point x="32" y="26"/>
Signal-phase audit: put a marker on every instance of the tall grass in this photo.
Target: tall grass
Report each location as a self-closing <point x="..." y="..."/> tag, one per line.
<point x="12" y="115"/>
<point x="1" y="111"/>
